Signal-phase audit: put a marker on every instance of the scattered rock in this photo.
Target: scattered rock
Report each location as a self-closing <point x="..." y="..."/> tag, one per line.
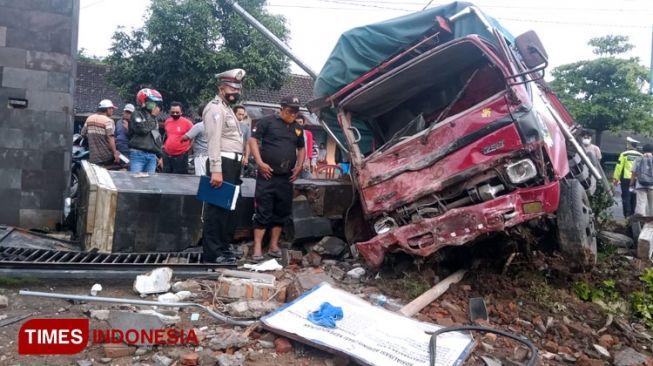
<point x="565" y="349"/>
<point x="117" y="350"/>
<point x="153" y="282"/>
<point x="602" y="351"/>
<point x="305" y="281"/>
<point x="250" y="308"/>
<point x="311" y="259"/>
<point x="519" y="354"/>
<point x="265" y="344"/>
<point x="630" y="357"/>
<point x="551" y="346"/>
<point x="161" y="360"/>
<point x="4" y="301"/>
<point x="228" y="338"/>
<point x="140" y="351"/>
<point x="616" y="239"/>
<point x="237" y="359"/>
<point x="95" y="289"/>
<point x="586" y="361"/>
<point x="84" y="363"/>
<point x="168" y="317"/>
<point x="606" y="341"/>
<point x="282" y="345"/>
<point x="330" y="245"/>
<point x="105" y="360"/>
<point x="188" y="285"/>
<point x="356" y="273"/>
<point x="180" y="296"/>
<point x="128" y="321"/>
<point x="295" y="256"/>
<point x="100" y="314"/>
<point x="189" y="359"/>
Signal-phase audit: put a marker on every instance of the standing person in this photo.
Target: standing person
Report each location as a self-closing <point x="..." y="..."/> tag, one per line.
<point x="241" y="115"/>
<point x="322" y="154"/>
<point x="623" y="173"/>
<point x="590" y="148"/>
<point x="200" y="147"/>
<point x="144" y="138"/>
<point x="175" y="148"/>
<point x="280" y="162"/>
<point x="100" y="129"/>
<point x="122" y="126"/>
<point x="642" y="182"/>
<point x="308" y="147"/>
<point x="225" y="145"/>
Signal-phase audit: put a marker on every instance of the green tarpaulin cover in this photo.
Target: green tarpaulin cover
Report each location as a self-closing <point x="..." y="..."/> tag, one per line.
<point x="360" y="49"/>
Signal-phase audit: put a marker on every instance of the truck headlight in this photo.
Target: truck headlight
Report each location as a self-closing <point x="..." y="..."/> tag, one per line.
<point x="384" y="225"/>
<point x="521" y="171"/>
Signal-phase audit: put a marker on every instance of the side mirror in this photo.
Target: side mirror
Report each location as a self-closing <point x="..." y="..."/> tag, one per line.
<point x="531" y="49"/>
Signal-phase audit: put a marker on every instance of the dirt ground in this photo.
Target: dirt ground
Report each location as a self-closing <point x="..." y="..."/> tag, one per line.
<point x="526" y="292"/>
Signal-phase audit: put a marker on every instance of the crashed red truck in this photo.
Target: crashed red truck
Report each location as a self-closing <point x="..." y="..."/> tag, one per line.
<point x="467" y="139"/>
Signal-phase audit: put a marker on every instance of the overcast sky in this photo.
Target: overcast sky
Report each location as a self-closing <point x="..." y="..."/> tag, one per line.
<point x="564" y="26"/>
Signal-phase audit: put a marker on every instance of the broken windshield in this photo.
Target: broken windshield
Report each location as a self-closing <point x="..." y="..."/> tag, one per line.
<point x="432" y="87"/>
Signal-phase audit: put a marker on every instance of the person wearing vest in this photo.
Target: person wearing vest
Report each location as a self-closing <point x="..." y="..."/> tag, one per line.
<point x="623" y="173"/>
<point x="642" y="182"/>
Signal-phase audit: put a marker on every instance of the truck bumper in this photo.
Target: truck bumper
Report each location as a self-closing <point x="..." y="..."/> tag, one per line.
<point x="462" y="225"/>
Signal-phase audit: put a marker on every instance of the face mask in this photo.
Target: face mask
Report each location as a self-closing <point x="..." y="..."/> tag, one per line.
<point x="232" y="98"/>
<point x="586" y="141"/>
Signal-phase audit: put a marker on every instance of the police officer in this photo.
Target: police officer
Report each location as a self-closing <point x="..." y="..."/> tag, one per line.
<point x="279" y="162"/>
<point x="622" y="173"/>
<point x="225" y="145"/>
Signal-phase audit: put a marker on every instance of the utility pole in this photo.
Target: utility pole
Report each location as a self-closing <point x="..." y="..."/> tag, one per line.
<point x="650" y="81"/>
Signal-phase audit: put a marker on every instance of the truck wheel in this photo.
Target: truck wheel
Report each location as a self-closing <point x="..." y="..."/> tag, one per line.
<point x="575" y="225"/>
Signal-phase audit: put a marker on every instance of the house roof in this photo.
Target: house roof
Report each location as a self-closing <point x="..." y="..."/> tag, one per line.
<point x="91" y="87"/>
<point x="615" y="143"/>
<point x="296" y="85"/>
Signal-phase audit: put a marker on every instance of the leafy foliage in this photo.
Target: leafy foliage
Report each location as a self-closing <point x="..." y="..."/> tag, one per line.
<point x="606" y="93"/>
<point x="185" y="43"/>
<point x="601" y="202"/>
<point x="83" y="56"/>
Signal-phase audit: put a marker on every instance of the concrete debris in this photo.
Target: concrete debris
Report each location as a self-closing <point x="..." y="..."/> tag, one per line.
<point x="154" y="282"/>
<point x="141" y="351"/>
<point x="616" y="239"/>
<point x="305" y="281"/>
<point x="282" y="345"/>
<point x="356" y="273"/>
<point x="180" y="296"/>
<point x="189" y="359"/>
<point x="4" y="301"/>
<point x="127" y="321"/>
<point x="311" y="259"/>
<point x="161" y="360"/>
<point x="330" y="245"/>
<point x="645" y="242"/>
<point x="269" y="265"/>
<point x="95" y="289"/>
<point x="100" y="314"/>
<point x="630" y="357"/>
<point x="266" y="344"/>
<point x="250" y="308"/>
<point x="227" y="338"/>
<point x="168" y="317"/>
<point x="105" y="360"/>
<point x="602" y="351"/>
<point x="237" y="359"/>
<point x="84" y="363"/>
<point x="117" y="350"/>
<point x="188" y="285"/>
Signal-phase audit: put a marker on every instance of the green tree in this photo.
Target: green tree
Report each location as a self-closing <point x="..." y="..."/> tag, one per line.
<point x="606" y="93"/>
<point x="83" y="56"/>
<point x="185" y="43"/>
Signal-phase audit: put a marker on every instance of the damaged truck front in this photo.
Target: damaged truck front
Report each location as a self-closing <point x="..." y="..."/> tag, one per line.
<point x="452" y="134"/>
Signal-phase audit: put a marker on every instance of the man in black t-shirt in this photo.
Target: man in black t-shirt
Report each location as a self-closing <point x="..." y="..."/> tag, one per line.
<point x="279" y="160"/>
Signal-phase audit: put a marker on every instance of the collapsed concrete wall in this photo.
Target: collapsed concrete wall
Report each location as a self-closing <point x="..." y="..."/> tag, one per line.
<point x="38" y="47"/>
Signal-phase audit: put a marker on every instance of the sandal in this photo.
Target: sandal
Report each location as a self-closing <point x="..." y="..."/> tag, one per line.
<point x="275" y="253"/>
<point x="258" y="258"/>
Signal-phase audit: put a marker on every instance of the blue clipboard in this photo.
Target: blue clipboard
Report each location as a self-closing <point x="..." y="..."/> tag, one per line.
<point x="226" y="196"/>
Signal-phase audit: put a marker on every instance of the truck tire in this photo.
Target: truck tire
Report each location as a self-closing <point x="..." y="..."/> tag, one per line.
<point x="575" y="225"/>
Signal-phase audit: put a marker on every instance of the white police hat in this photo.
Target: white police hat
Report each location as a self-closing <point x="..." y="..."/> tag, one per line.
<point x="630" y="139"/>
<point x="232" y="78"/>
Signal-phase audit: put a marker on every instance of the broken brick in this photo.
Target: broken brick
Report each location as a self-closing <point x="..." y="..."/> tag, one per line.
<point x="282" y="345"/>
<point x="189" y="359"/>
<point x="117" y="350"/>
<point x="606" y="341"/>
<point x="551" y="346"/>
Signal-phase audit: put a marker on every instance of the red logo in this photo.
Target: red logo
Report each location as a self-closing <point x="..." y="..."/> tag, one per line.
<point x="53" y="336"/>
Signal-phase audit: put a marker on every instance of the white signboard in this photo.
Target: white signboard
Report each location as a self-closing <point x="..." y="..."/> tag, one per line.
<point x="369" y="334"/>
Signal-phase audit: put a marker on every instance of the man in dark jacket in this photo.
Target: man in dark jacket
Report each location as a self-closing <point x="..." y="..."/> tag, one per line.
<point x="144" y="138"/>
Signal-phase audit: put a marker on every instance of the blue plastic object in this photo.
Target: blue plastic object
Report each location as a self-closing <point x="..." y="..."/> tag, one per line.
<point x="326" y="316"/>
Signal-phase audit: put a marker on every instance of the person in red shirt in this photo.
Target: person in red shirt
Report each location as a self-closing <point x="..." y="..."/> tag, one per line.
<point x="175" y="157"/>
<point x="308" y="142"/>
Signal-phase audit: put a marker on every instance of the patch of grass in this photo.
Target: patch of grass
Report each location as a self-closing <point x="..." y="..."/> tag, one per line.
<point x="542" y="293"/>
<point x="18" y="281"/>
<point x="408" y="286"/>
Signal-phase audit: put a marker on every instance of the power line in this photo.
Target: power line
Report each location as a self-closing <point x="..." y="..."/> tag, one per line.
<point x="91" y="4"/>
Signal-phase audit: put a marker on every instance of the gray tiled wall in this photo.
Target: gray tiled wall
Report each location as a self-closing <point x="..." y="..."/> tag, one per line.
<point x="38" y="46"/>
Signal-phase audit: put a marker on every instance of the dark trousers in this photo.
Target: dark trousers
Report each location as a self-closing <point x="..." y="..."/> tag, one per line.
<point x="175" y="164"/>
<point x="628" y="198"/>
<point x="219" y="223"/>
<point x="273" y="199"/>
